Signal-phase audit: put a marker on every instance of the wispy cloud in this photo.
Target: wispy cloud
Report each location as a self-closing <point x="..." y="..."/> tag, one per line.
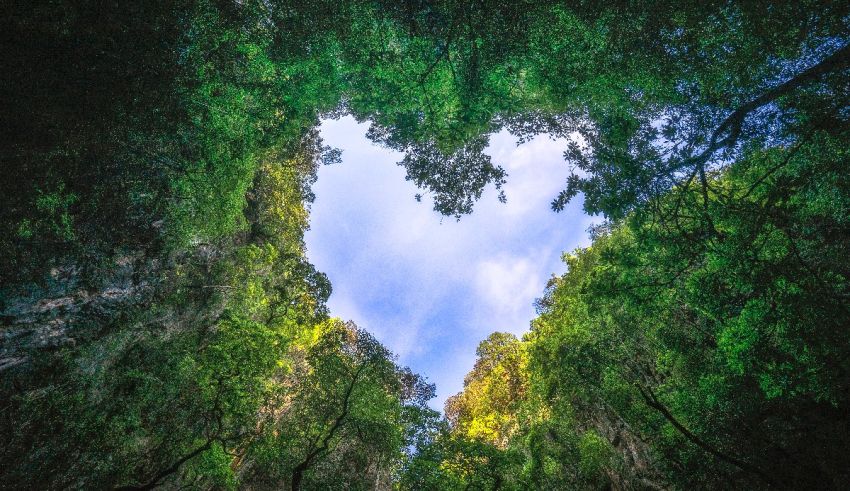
<point x="503" y="286"/>
<point x="431" y="288"/>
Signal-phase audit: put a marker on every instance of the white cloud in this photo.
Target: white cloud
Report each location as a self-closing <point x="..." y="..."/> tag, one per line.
<point x="431" y="288"/>
<point x="537" y="172"/>
<point x="505" y="287"/>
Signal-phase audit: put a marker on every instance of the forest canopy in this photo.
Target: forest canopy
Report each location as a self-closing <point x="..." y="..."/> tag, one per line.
<point x="163" y="327"/>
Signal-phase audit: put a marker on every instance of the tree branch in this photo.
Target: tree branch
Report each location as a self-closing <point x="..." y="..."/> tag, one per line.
<point x="731" y="126"/>
<point x="155" y="481"/>
<point x="653" y="402"/>
<point x="298" y="471"/>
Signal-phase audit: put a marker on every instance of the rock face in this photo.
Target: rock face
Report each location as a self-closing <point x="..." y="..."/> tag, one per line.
<point x="638" y="469"/>
<point x="68" y="308"/>
<point x="65" y="344"/>
<point x="63" y="311"/>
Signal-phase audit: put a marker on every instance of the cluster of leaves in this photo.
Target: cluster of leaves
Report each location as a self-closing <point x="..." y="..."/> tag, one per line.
<point x="240" y="404"/>
<point x="148" y="124"/>
<point x="186" y="130"/>
<point x="233" y="375"/>
<point x="158" y="139"/>
<point x="710" y="348"/>
<point x="702" y="339"/>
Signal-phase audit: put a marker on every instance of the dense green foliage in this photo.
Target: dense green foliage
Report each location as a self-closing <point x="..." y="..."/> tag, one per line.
<point x="691" y="361"/>
<point x="163" y="327"/>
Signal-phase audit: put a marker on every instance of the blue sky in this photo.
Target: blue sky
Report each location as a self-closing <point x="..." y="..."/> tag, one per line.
<point x="428" y="287"/>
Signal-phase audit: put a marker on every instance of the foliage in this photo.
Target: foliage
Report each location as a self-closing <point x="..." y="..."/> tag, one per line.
<point x="486" y="409"/>
<point x="345" y="417"/>
<point x="163" y="326"/>
<point x="692" y="349"/>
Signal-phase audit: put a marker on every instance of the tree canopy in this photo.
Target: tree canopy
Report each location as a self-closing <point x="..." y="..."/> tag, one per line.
<point x="162" y="326"/>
